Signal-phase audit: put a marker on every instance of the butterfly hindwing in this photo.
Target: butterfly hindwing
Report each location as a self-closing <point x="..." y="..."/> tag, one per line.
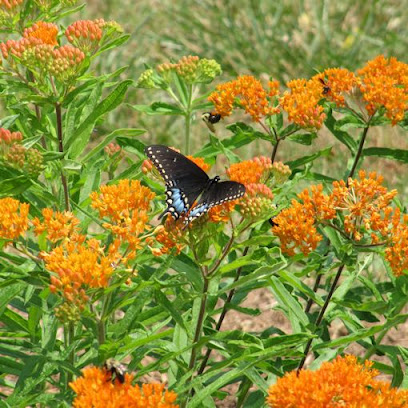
<point x="185" y="181"/>
<point x="217" y="194"/>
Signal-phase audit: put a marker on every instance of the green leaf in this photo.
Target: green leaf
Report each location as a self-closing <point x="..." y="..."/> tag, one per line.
<point x="159" y="108"/>
<point x="307" y="159"/>
<point x="108" y="138"/>
<point x="14" y="186"/>
<point x="387" y="153"/>
<point x="80" y="139"/>
<point x="303" y="139"/>
<point x="8" y="121"/>
<point x="340" y="135"/>
<point x="287" y="301"/>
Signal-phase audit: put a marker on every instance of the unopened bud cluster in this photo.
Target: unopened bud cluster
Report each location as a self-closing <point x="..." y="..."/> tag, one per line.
<point x="257" y="202"/>
<point x="9" y="9"/>
<point x="111" y="149"/>
<point x="67" y="313"/>
<point x="191" y="69"/>
<point x="15" y="155"/>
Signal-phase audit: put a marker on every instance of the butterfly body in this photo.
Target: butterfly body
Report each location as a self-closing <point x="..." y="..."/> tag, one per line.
<point x="190" y="193"/>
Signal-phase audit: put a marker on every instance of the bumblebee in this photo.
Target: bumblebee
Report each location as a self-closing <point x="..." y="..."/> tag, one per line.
<point x="116" y="370"/>
<point x="210" y="119"/>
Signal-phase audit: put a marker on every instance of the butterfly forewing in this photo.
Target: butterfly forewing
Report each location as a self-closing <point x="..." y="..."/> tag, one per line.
<point x="185" y="181"/>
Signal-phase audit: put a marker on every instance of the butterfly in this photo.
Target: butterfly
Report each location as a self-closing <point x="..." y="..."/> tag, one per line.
<point x="190" y="193"/>
<point x="210" y="119"/>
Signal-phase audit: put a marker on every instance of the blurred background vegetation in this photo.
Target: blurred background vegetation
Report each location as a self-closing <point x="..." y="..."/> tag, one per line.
<point x="280" y="39"/>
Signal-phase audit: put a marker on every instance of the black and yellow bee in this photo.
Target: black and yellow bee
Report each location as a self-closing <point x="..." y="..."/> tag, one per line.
<point x="210" y="119"/>
<point x="116" y="370"/>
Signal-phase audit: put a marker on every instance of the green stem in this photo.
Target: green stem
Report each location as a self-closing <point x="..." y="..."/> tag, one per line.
<point x="321" y="314"/>
<point x="198" y="330"/>
<point x="69" y="341"/>
<point x="275" y="149"/>
<point x="359" y="152"/>
<point x="222" y="315"/>
<point x="58" y="113"/>
<point x="188" y="120"/>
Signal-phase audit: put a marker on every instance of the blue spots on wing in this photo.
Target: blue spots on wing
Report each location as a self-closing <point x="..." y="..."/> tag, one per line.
<point x="178" y="202"/>
<point x="196" y="212"/>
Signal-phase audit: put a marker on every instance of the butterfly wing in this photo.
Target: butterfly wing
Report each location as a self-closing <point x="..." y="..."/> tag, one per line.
<point x="185" y="181"/>
<point x="217" y="194"/>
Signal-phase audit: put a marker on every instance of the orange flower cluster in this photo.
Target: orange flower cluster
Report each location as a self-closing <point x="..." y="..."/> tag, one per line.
<point x="245" y="92"/>
<point x="13" y="218"/>
<point x="126" y="205"/>
<point x="295" y="226"/>
<point x="169" y="235"/>
<point x="38" y="50"/>
<point x="256" y="170"/>
<point x="334" y="82"/>
<point x="85" y="34"/>
<point x="254" y="173"/>
<point x="57" y="225"/>
<point x="45" y="32"/>
<point x="79" y="265"/>
<point x="363" y="202"/>
<point x="95" y="389"/>
<point x="365" y="213"/>
<point x="384" y="83"/>
<point x="342" y="382"/>
<point x="396" y="251"/>
<point x="302" y="103"/>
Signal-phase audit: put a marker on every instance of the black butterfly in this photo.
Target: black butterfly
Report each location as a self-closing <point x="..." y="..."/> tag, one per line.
<point x="190" y="192"/>
<point x="210" y="119"/>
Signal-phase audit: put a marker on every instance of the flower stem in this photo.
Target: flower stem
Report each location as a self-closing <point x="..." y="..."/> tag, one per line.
<point x="275" y="149"/>
<point x="198" y="330"/>
<point x="321" y="314"/>
<point x="222" y="315"/>
<point x="70" y="328"/>
<point x="58" y="113"/>
<point x="359" y="152"/>
<point x="188" y="120"/>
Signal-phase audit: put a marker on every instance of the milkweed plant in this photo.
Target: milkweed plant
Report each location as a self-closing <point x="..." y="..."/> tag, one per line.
<point x="88" y="272"/>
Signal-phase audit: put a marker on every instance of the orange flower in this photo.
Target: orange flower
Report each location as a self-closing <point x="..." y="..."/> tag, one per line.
<point x="384" y="83"/>
<point x="127" y="205"/>
<point x="45" y="32"/>
<point x="363" y="203"/>
<point x="222" y="213"/>
<point x="302" y="103"/>
<point x="396" y="251"/>
<point x="95" y="389"/>
<point x="257" y="202"/>
<point x="256" y="170"/>
<point x="13" y="218"/>
<point x="85" y="34"/>
<point x="247" y="93"/>
<point x="169" y="235"/>
<point x="334" y="82"/>
<point x="57" y="225"/>
<point x="342" y="382"/>
<point x="80" y="265"/>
